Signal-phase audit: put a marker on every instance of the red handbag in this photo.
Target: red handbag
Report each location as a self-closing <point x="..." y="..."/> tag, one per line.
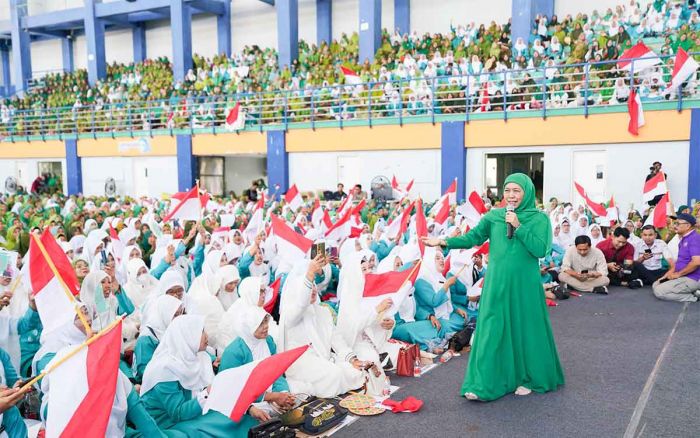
<point x="408" y="359"/>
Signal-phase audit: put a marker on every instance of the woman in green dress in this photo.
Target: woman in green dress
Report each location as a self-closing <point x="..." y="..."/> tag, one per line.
<point x="513" y="349"/>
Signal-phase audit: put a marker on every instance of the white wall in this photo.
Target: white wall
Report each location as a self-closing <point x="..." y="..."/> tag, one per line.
<point x="313" y="171"/>
<point x="627" y="165"/>
<point x="436" y="16"/>
<point x="26" y="170"/>
<point x="241" y="170"/>
<point x="118" y="47"/>
<point x="573" y="7"/>
<point x="162" y="173"/>
<point x="46" y="55"/>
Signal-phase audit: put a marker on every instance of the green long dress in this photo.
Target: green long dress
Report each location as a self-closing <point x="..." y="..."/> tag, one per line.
<point x="513" y="342"/>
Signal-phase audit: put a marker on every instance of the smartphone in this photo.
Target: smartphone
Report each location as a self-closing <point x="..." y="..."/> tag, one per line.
<point x="332" y="252"/>
<point x="647" y="251"/>
<point x="585" y="271"/>
<point x="318" y="248"/>
<point x="663" y="280"/>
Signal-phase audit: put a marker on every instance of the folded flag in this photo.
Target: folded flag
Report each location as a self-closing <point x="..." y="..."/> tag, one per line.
<point x="636" y="113"/>
<point x="640" y="56"/>
<point x="235" y="118"/>
<point x="235" y="389"/>
<point x="683" y="67"/>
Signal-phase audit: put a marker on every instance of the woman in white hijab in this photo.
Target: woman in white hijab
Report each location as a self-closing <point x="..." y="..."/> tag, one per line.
<point x="176" y="384"/>
<point x="214" y="260"/>
<point x="582" y="226"/>
<point x="94" y="244"/>
<point x="165" y="308"/>
<point x="304" y="321"/>
<point x="209" y="301"/>
<point x="14" y="317"/>
<point x="565" y="238"/>
<point x="596" y="234"/>
<point x="140" y="284"/>
<point x="131" y="252"/>
<point x="253" y="264"/>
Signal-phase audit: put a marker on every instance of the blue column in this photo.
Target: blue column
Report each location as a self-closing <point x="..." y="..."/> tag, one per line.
<point x="522" y="13"/>
<point x="453" y="156"/>
<point x="324" y="21"/>
<point x="21" y="59"/>
<point x="95" y="39"/>
<point x="186" y="163"/>
<point x="544" y="7"/>
<point x="181" y="28"/>
<point x="138" y="38"/>
<point x="694" y="157"/>
<point x="370" y="28"/>
<point x="223" y="29"/>
<point x="277" y="162"/>
<point x="67" y="54"/>
<point x="287" y="31"/>
<point x="402" y="16"/>
<point x="6" y="77"/>
<point x="74" y="168"/>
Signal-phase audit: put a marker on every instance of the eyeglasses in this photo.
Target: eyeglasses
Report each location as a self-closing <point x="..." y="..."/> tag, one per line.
<point x="681" y="223"/>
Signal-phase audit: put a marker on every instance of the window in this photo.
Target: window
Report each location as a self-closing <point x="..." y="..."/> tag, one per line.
<point x="211" y="174"/>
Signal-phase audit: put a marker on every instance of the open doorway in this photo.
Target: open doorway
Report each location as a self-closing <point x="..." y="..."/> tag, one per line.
<point x="499" y="166"/>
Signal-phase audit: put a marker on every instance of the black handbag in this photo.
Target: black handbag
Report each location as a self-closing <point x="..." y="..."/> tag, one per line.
<point x="271" y="429"/>
<point x="462" y="338"/>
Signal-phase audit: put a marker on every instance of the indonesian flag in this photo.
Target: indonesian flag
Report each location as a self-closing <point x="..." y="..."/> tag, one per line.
<point x="55" y="307"/>
<point x="256" y="222"/>
<point x="448" y="264"/>
<point x="473" y="209"/>
<point x="351" y="77"/>
<point x="421" y="226"/>
<point x="683" y="67"/>
<point x="341" y="228"/>
<point x="642" y="55"/>
<point x="235" y="118"/>
<point x="399" y="225"/>
<point x="636" y="112"/>
<point x="658" y="218"/>
<point x="483" y="249"/>
<point x="393" y="284"/>
<point x="613" y="215"/>
<point x="327" y="222"/>
<point x="117" y="244"/>
<point x="317" y="214"/>
<point x="441" y="209"/>
<point x="83" y="387"/>
<point x="235" y="389"/>
<point x="275" y="287"/>
<point x="654" y="187"/>
<point x="485" y="100"/>
<point x="290" y="244"/>
<point x="171" y="122"/>
<point x="397" y="191"/>
<point x="187" y="205"/>
<point x="475" y="290"/>
<point x="293" y="197"/>
<point x="596" y="208"/>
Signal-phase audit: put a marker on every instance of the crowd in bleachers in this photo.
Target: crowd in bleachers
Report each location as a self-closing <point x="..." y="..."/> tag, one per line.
<point x="474" y="68"/>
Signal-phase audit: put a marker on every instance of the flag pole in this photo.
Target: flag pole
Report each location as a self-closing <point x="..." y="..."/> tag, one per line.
<point x="72" y="353"/>
<point x="64" y="286"/>
<point x="201" y="214"/>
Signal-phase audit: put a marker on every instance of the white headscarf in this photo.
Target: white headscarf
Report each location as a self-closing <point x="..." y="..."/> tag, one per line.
<point x="225" y="275"/>
<point x="177" y="357"/>
<point x="92" y="242"/>
<point x="595" y="240"/>
<point x="161" y="314"/>
<point x="92" y="295"/>
<point x="139" y="288"/>
<point x="429" y="273"/>
<point x="63" y="336"/>
<point x="247" y="324"/>
<point x="122" y="270"/>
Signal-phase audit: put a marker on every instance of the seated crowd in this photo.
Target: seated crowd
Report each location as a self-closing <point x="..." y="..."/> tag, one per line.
<point x="472" y="68"/>
<point x="200" y="297"/>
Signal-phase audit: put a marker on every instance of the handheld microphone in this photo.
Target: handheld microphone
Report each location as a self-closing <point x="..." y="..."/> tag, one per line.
<point x="511" y="230"/>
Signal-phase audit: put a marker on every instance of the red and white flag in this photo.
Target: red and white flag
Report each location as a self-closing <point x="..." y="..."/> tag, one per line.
<point x="659" y="217"/>
<point x="636" y="112"/>
<point x="399" y="225"/>
<point x="235" y="118"/>
<point x="596" y="208"/>
<point x="473" y="209"/>
<point x="654" y="187"/>
<point x="54" y="305"/>
<point x="270" y="303"/>
<point x="397" y="191"/>
<point x="421" y="226"/>
<point x="683" y="67"/>
<point x="441" y="209"/>
<point x="639" y="55"/>
<point x="235" y="389"/>
<point x="257" y="220"/>
<point x="613" y="214"/>
<point x="317" y="214"/>
<point x="290" y="244"/>
<point x="351" y="77"/>
<point x="341" y="228"/>
<point x="475" y="289"/>
<point x="187" y="206"/>
<point x="293" y="198"/>
<point x="83" y="387"/>
<point x="393" y="284"/>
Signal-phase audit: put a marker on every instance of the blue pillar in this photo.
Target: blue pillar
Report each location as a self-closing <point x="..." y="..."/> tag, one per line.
<point x="694" y="157"/>
<point x="74" y="168"/>
<point x="67" y="54"/>
<point x="544" y="7"/>
<point x="223" y="30"/>
<point x="6" y="77"/>
<point x="181" y="28"/>
<point x="95" y="39"/>
<point x="402" y="16"/>
<point x="287" y="31"/>
<point x="324" y="21"/>
<point x="138" y="38"/>
<point x="370" y="28"/>
<point x="523" y="14"/>
<point x="186" y="163"/>
<point x="453" y="156"/>
<point x="277" y="162"/>
<point x="21" y="59"/>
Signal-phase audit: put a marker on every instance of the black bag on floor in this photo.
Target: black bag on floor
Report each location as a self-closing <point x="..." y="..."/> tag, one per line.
<point x="318" y="416"/>
<point x="271" y="429"/>
<point x="463" y="337"/>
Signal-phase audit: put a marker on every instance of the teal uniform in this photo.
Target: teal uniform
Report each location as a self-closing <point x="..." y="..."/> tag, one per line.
<point x="426" y="302"/>
<point x="12" y="421"/>
<point x="143" y="352"/>
<point x="237" y="353"/>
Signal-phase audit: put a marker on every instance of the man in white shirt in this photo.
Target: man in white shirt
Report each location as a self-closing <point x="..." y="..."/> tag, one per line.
<point x="648" y="254"/>
<point x="584" y="267"/>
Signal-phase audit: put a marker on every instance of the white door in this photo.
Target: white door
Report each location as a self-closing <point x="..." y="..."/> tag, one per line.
<point x="141" y="175"/>
<point x="22" y="174"/>
<point x="349" y="171"/>
<point x="590" y="169"/>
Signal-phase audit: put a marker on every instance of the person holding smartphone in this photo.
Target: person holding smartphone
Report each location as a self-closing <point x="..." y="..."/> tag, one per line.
<point x="648" y="255"/>
<point x="584" y="268"/>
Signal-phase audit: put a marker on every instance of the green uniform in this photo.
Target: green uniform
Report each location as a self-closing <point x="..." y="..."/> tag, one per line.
<point x="238" y="353"/>
<point x="513" y="343"/>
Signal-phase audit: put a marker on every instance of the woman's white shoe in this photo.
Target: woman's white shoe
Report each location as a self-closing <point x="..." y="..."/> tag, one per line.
<point x="522" y="391"/>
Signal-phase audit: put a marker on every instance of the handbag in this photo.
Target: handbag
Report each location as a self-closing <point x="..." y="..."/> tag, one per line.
<point x="321" y="415"/>
<point x="409" y="356"/>
<point x="462" y="338"/>
<point x="271" y="429"/>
